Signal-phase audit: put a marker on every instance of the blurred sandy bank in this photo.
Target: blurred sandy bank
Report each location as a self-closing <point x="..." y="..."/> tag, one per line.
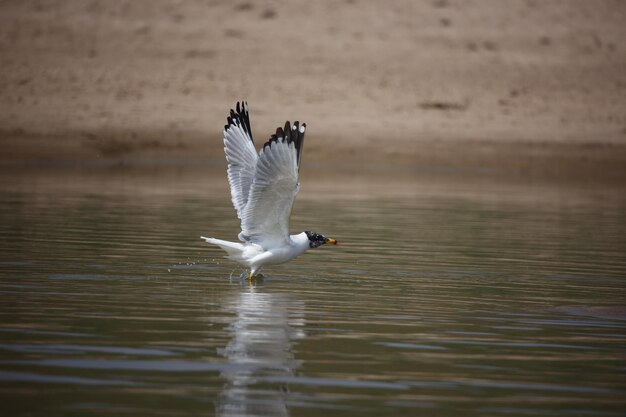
<point x="518" y="89"/>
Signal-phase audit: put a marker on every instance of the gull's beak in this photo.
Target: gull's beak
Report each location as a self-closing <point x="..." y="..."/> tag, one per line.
<point x="331" y="241"/>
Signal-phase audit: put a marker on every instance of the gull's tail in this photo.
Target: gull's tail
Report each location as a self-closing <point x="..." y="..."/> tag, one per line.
<point x="234" y="250"/>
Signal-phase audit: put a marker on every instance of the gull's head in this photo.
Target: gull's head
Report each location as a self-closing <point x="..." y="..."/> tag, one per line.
<point x="315" y="239"/>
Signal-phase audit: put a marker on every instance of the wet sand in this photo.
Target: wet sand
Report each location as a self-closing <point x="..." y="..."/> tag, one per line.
<point x="523" y="90"/>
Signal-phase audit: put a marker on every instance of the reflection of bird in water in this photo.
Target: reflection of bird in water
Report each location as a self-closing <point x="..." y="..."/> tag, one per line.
<point x="260" y="347"/>
<point x="263" y="188"/>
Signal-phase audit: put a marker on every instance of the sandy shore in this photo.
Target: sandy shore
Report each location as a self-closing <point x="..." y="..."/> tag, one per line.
<point x="522" y="88"/>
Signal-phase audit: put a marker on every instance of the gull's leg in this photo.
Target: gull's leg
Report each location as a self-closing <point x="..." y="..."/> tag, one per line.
<point x="253" y="274"/>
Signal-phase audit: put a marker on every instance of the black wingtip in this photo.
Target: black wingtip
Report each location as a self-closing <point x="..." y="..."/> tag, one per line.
<point x="240" y="116"/>
<point x="291" y="133"/>
<point x="298" y="131"/>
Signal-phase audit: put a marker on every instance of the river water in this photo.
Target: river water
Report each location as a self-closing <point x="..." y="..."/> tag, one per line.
<point x="496" y="302"/>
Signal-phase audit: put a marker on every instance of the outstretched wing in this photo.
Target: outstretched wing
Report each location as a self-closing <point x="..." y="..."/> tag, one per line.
<point x="241" y="156"/>
<point x="266" y="215"/>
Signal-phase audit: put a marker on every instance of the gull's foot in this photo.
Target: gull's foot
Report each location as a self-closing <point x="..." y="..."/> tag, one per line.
<point x="252" y="278"/>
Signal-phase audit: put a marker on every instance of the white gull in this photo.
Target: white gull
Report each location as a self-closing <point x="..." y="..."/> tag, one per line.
<point x="263" y="188"/>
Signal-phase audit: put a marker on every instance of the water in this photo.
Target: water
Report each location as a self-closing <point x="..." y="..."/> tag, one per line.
<point x="498" y="302"/>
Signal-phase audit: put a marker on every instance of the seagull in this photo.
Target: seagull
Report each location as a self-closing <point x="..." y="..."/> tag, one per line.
<point x="263" y="188"/>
